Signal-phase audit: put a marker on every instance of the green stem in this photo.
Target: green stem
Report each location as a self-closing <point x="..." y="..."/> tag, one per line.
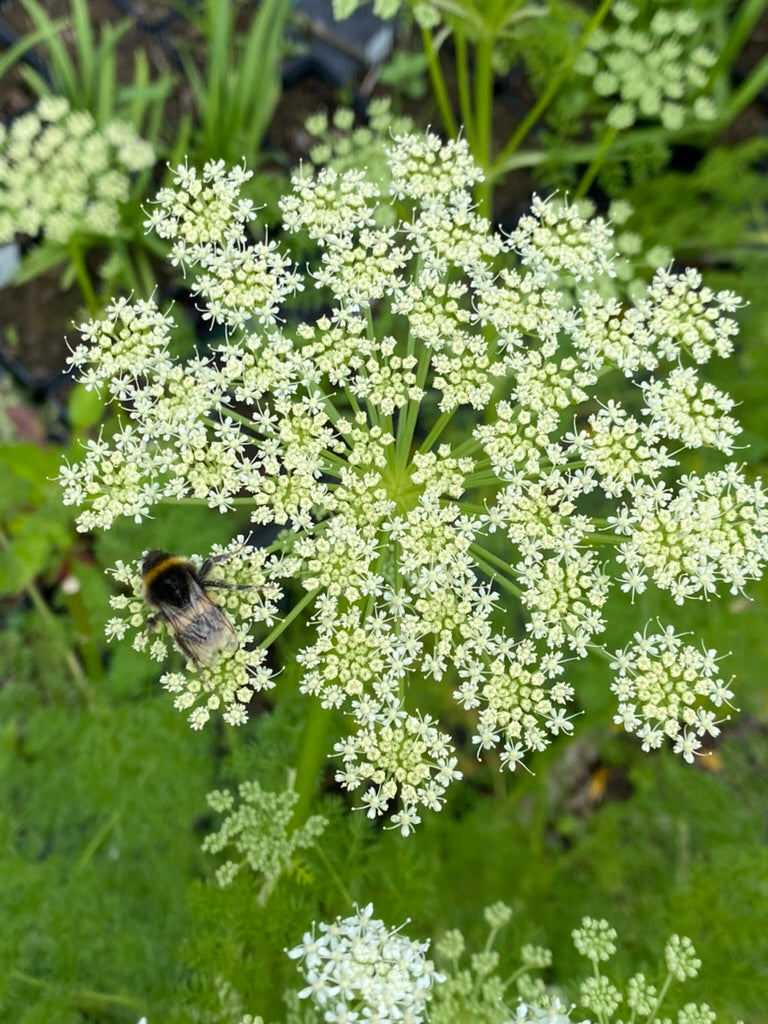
<point x="406" y="425"/>
<point x="466" y="448"/>
<point x="353" y="403"/>
<point x="292" y="614"/>
<point x="311" y="756"/>
<point x="238" y="417"/>
<point x="596" y="974"/>
<point x="462" y="81"/>
<point x="596" y="163"/>
<point x="89" y="650"/>
<point x="604" y="538"/>
<point x="96" y="840"/>
<point x="334" y="874"/>
<point x="515" y="975"/>
<point x="330" y="410"/>
<point x="334" y="460"/>
<point x="601" y="652"/>
<point x="502" y="581"/>
<point x="492" y="558"/>
<point x="374" y="416"/>
<point x="488" y="567"/>
<point x="370" y="326"/>
<point x="440" y="424"/>
<point x="744" y="95"/>
<point x="554" y="83"/>
<point x="483" y="118"/>
<point x="83" y="277"/>
<point x="664" y="989"/>
<point x="481" y="480"/>
<point x="82" y="998"/>
<point x="738" y="30"/>
<point x="438" y="84"/>
<point x="200" y="502"/>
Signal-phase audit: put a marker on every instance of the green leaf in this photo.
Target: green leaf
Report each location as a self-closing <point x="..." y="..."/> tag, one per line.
<point x="40" y="259"/>
<point x="84" y="407"/>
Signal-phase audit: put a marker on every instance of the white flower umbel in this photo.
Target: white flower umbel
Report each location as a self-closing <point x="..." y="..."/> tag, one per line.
<point x="659" y="684"/>
<point x="61" y="176"/>
<point x="258" y="833"/>
<point x="420" y="548"/>
<point x="357" y="969"/>
<point x="657" y="70"/>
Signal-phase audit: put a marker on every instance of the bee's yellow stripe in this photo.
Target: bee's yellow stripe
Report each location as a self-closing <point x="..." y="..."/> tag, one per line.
<point x="157" y="570"/>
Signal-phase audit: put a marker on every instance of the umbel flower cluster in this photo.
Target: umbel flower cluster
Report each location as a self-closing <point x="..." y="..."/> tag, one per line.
<point x="459" y="492"/>
<point x="653" y="72"/>
<point x="357" y="969"/>
<point x="257" y="833"/>
<point x="60" y="175"/>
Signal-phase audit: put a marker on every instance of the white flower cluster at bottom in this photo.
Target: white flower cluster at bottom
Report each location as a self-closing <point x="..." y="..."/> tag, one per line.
<point x="357" y="969"/>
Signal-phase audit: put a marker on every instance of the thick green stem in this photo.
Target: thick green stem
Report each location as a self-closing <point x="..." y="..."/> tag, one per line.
<point x="604" y="538"/>
<point x="353" y="403"/>
<point x="311" y="756"/>
<point x="438" y="84"/>
<point x="735" y="30"/>
<point x="466" y="447"/>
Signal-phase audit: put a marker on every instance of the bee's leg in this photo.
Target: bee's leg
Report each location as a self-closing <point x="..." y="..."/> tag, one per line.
<point x="212" y="560"/>
<point x="153" y="621"/>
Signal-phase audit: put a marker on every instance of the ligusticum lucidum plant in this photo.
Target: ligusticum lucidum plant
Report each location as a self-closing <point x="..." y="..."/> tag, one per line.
<point x="459" y="488"/>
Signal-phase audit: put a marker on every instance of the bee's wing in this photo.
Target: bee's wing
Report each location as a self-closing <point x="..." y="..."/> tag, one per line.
<point x="202" y="629"/>
<point x="209" y="637"/>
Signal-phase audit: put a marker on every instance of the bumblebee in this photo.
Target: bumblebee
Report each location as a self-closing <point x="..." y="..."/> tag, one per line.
<point x="176" y="589"/>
